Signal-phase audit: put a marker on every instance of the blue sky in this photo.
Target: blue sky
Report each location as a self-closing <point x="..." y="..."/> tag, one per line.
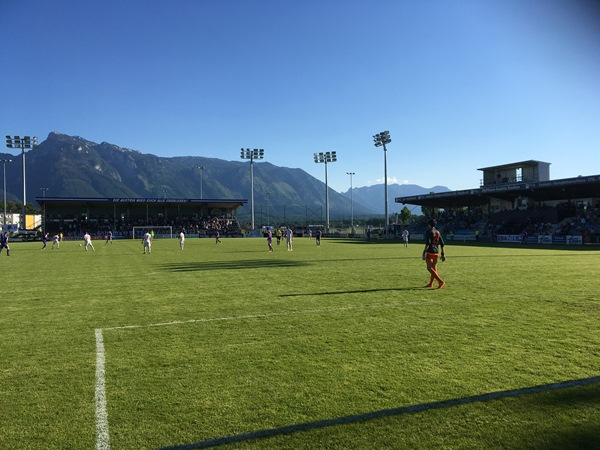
<point x="460" y="84"/>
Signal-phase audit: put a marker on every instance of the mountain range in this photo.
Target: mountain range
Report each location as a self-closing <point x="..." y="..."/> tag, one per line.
<point x="71" y="166"/>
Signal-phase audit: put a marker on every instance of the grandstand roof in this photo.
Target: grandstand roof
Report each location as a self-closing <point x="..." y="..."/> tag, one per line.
<point x="563" y="189"/>
<point x="212" y="203"/>
<point x="531" y="162"/>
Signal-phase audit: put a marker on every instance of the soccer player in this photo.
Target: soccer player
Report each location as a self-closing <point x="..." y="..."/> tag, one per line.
<point x="405" y="235"/>
<point x="45" y="240"/>
<point x="147" y="240"/>
<point x="109" y="237"/>
<point x="88" y="241"/>
<point x="289" y="237"/>
<point x="318" y="238"/>
<point x="433" y="242"/>
<point x="218" y="237"/>
<point x="4" y="243"/>
<point x="181" y="240"/>
<point x="270" y="240"/>
<point x="55" y="241"/>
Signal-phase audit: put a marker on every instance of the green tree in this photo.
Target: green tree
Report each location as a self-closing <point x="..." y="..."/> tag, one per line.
<point x="405" y="215"/>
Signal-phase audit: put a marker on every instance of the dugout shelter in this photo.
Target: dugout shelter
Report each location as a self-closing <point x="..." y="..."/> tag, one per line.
<point x="74" y="214"/>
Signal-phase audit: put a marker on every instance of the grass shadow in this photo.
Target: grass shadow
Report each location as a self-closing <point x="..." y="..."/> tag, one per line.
<point x="356" y="291"/>
<point x="231" y="265"/>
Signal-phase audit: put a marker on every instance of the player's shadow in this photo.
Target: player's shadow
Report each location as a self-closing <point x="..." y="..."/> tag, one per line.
<point x="354" y="291"/>
<point x="230" y="265"/>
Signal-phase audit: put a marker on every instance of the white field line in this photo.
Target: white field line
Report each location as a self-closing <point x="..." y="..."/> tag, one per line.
<point x="268" y="315"/>
<point x="102" y="437"/>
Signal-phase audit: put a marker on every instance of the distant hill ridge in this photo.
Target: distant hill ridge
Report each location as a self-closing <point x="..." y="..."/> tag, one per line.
<point x="71" y="166"/>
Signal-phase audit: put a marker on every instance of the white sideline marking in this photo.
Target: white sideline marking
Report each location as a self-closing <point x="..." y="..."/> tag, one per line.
<point x="102" y="434"/>
<point x="102" y="437"/>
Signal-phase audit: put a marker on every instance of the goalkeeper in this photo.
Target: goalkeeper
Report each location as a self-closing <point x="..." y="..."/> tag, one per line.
<point x="433" y="242"/>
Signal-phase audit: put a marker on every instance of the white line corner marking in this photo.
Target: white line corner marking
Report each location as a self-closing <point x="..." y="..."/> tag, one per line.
<point x="102" y="434"/>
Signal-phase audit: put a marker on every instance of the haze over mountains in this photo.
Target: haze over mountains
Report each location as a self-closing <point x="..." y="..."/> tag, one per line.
<point x="71" y="166"/>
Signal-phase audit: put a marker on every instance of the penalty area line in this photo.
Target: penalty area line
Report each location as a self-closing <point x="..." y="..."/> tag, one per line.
<point x="268" y="315"/>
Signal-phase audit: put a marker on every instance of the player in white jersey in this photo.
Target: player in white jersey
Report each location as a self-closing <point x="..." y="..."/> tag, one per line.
<point x="289" y="237"/>
<point x="147" y="243"/>
<point x="88" y="241"/>
<point x="405" y="235"/>
<point x="181" y="239"/>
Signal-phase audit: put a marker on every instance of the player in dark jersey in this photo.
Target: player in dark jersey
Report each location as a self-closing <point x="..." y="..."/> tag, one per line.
<point x="4" y="243"/>
<point x="433" y="242"/>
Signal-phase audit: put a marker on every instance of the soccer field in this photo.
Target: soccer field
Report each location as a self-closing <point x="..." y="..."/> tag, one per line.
<point x="334" y="347"/>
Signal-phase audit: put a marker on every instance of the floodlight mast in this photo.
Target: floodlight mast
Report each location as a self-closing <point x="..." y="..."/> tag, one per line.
<point x="201" y="180"/>
<point x="380" y="139"/>
<point x="22" y="143"/>
<point x="4" y="163"/>
<point x="326" y="157"/>
<point x="351" y="203"/>
<point x="252" y="154"/>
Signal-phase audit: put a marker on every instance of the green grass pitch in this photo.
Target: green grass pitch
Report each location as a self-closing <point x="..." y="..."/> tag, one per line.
<point x="334" y="347"/>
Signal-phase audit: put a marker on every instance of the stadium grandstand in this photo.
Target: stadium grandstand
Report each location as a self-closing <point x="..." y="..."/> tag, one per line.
<point x="75" y="216"/>
<point x="519" y="202"/>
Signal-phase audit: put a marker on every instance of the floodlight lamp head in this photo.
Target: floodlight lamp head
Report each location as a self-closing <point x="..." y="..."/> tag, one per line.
<point x="320" y="157"/>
